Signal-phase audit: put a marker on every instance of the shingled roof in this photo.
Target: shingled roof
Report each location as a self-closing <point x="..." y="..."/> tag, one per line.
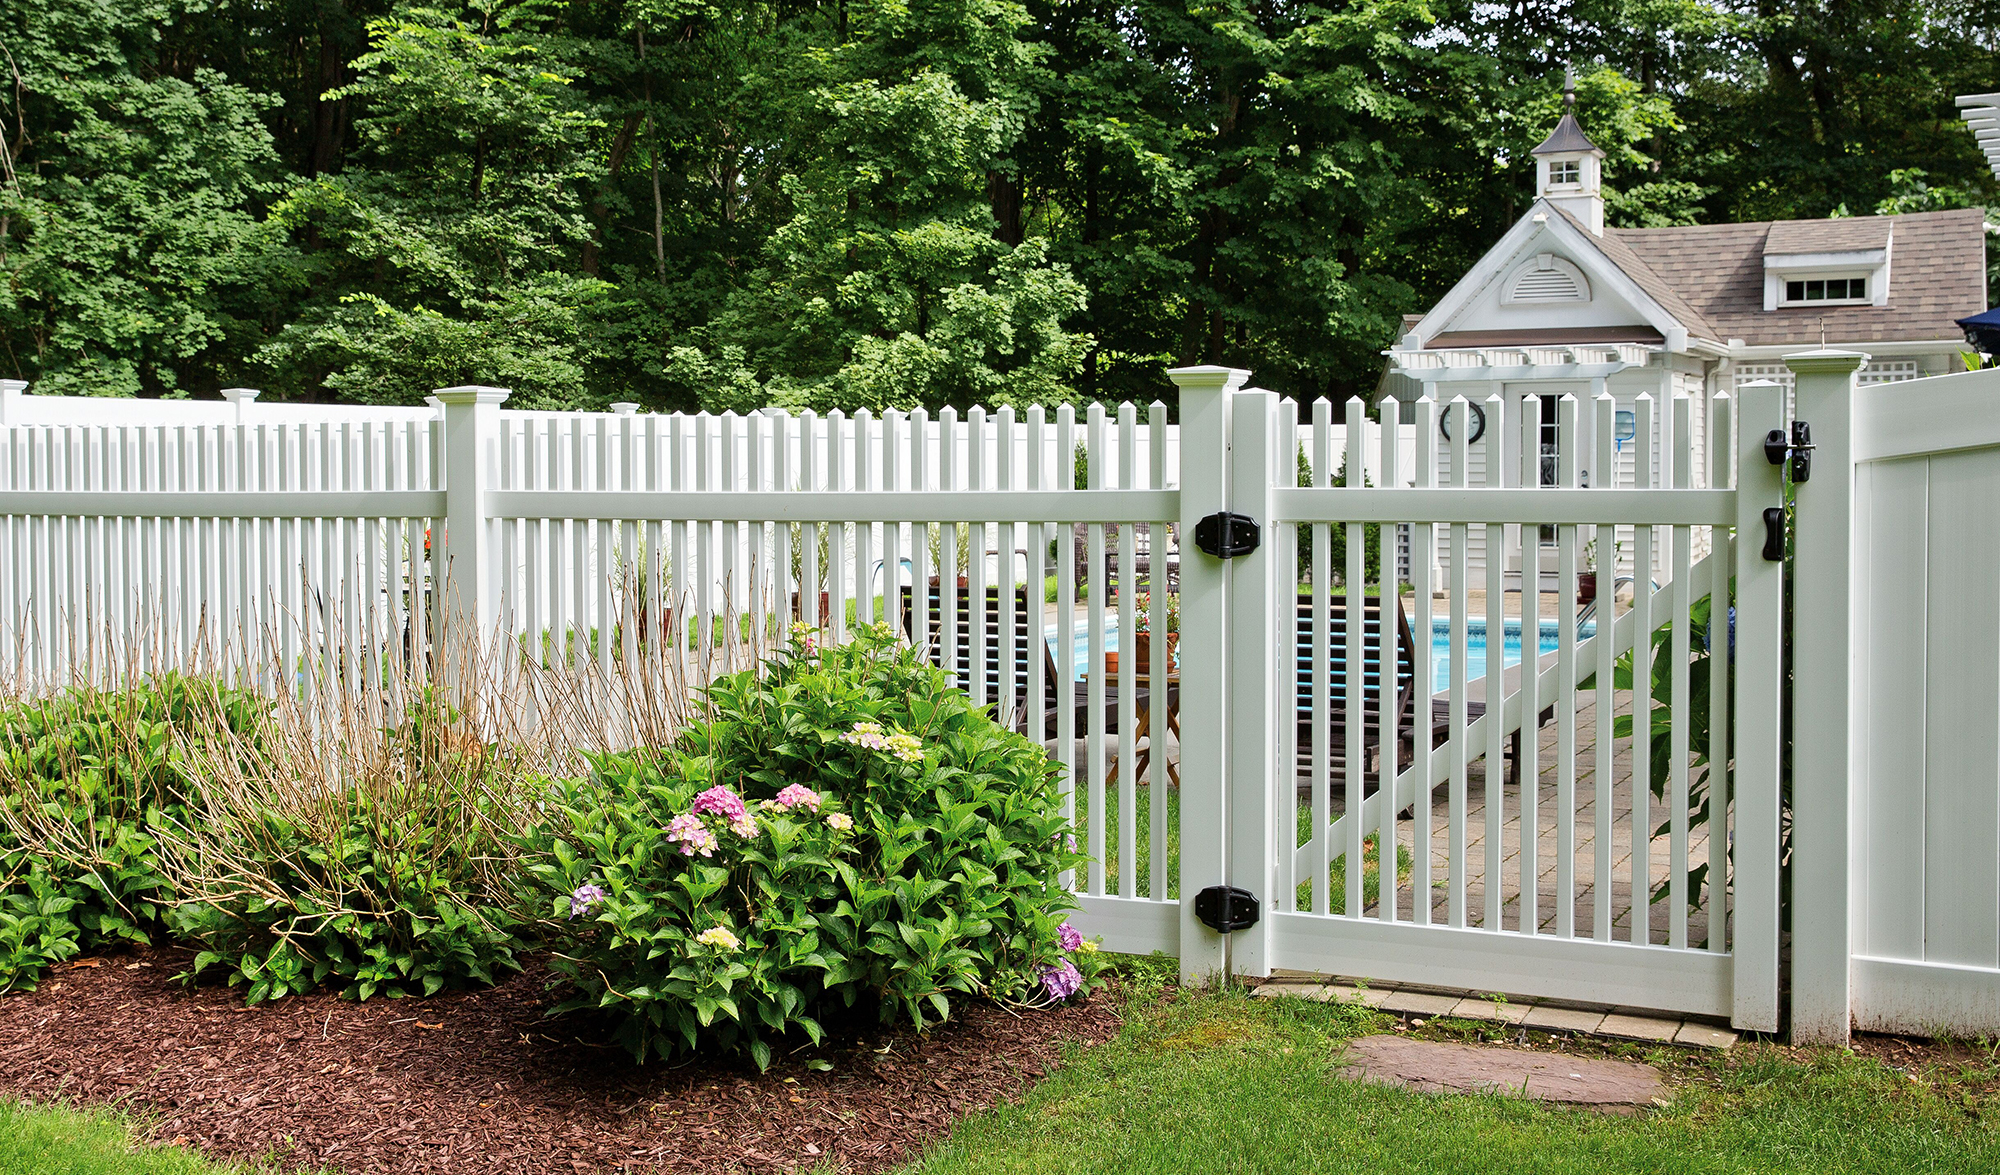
<point x="1715" y="274"/>
<point x="1657" y="287"/>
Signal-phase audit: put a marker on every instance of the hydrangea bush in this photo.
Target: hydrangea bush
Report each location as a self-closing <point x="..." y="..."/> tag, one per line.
<point x="843" y="829"/>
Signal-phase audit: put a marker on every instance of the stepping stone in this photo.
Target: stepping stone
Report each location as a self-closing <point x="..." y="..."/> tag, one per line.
<point x="1444" y="1067"/>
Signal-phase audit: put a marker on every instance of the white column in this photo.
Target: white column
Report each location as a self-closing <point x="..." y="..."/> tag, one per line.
<point x="1822" y="699"/>
<point x="471" y="603"/>
<point x="11" y="391"/>
<point x="1205" y="413"/>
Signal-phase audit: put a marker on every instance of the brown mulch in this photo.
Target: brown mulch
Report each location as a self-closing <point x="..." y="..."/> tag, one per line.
<point x="483" y="1082"/>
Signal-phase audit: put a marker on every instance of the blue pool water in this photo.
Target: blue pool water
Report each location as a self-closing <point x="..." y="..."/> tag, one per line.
<point x="1475" y="646"/>
<point x="1080" y="657"/>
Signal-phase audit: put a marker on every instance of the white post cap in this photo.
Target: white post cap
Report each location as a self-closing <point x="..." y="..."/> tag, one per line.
<point x="241" y="397"/>
<point x="472" y="394"/>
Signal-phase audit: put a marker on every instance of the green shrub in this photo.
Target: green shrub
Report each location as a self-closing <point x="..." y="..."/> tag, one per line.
<point x="371" y="859"/>
<point x="903" y="849"/>
<point x="86" y="779"/>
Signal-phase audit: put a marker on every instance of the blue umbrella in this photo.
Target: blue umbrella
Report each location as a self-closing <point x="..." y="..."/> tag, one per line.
<point x="1982" y="331"/>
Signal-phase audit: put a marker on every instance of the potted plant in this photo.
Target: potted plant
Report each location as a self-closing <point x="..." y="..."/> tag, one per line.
<point x="1142" y="625"/>
<point x="1586" y="580"/>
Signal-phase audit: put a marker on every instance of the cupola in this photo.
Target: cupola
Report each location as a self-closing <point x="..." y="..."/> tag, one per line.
<point x="1569" y="169"/>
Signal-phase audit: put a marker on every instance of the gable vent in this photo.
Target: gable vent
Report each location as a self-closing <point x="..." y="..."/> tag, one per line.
<point x="1547" y="285"/>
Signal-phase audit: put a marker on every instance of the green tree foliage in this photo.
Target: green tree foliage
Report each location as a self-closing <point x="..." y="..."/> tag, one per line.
<point x="727" y="203"/>
<point x="134" y="256"/>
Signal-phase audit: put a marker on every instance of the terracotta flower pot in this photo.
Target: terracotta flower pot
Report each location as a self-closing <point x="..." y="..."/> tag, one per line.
<point x="1586" y="587"/>
<point x="1142" y="648"/>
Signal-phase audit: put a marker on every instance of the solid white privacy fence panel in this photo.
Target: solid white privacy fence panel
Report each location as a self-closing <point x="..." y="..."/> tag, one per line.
<point x="1897" y="711"/>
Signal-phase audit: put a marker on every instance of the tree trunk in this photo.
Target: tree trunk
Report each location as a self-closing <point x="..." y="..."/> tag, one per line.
<point x="621" y="146"/>
<point x="329" y="117"/>
<point x="1004" y="193"/>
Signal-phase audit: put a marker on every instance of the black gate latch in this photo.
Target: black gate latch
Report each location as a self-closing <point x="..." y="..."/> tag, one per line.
<point x="1225" y="535"/>
<point x="1799" y="448"/>
<point x="1224" y="908"/>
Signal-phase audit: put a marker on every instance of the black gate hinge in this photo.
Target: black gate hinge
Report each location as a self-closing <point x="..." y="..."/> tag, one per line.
<point x="1225" y="535"/>
<point x="1799" y="448"/>
<point x="1225" y="908"/>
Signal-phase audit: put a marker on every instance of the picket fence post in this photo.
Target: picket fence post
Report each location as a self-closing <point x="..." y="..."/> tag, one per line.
<point x="1823" y="726"/>
<point x="471" y="600"/>
<point x="1757" y="636"/>
<point x="1206" y="395"/>
<point x="11" y="391"/>
<point x="1256" y="776"/>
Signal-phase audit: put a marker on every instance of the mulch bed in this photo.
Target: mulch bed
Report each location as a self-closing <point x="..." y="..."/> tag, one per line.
<point x="482" y="1082"/>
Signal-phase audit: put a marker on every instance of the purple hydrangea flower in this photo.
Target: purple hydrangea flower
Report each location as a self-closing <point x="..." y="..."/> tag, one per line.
<point x="584" y="898"/>
<point x="1062" y="980"/>
<point x="1068" y="937"/>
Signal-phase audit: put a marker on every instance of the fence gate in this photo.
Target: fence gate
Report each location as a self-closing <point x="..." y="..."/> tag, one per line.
<point x="1407" y="794"/>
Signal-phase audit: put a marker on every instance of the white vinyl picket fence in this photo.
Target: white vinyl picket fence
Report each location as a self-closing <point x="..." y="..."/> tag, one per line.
<point x="1407" y="798"/>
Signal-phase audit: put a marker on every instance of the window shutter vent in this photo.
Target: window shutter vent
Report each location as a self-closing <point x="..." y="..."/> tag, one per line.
<point x="1547" y="285"/>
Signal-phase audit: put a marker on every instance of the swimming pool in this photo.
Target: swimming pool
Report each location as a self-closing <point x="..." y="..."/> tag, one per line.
<point x="1475" y="646"/>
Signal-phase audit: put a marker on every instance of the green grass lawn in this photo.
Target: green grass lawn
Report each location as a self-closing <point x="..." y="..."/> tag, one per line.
<point x="1214" y="1082"/>
<point x="55" y="1140"/>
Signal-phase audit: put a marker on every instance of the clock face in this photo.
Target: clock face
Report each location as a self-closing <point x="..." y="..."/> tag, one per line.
<point x="1478" y="423"/>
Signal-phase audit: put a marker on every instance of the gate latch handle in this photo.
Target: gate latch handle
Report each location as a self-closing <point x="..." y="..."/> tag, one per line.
<point x="1774" y="534"/>
<point x="1798" y="447"/>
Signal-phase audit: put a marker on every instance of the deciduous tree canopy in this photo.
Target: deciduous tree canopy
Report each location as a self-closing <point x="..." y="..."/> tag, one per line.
<point x="881" y="203"/>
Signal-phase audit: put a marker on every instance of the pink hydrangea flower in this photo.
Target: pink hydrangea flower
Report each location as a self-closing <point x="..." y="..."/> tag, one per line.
<point x="727" y="804"/>
<point x="687" y="831"/>
<point x="797" y="796"/>
<point x="1068" y="937"/>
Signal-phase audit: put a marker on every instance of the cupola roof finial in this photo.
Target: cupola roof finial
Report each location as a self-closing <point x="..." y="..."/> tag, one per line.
<point x="1568" y="138"/>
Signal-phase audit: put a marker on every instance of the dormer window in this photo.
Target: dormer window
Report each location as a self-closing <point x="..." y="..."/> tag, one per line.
<point x="1800" y="291"/>
<point x="1838" y="262"/>
<point x="1565" y="172"/>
